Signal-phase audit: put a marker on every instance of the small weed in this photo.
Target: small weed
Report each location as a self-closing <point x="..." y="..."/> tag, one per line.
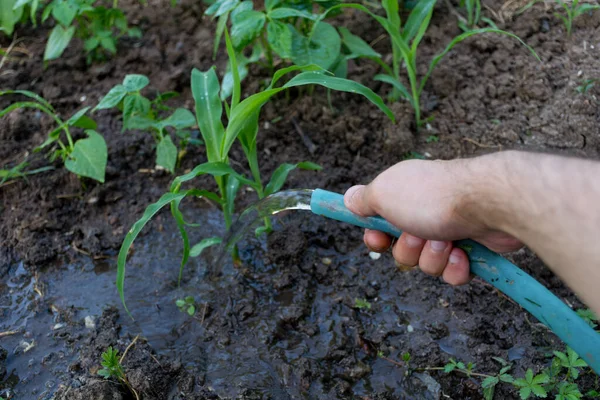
<point x="18" y="171"/>
<point x="432" y="139"/>
<point x="84" y="157"/>
<point x="558" y="380"/>
<point x="112" y="368"/>
<point x="187" y="304"/>
<point x="362" y="304"/>
<point x="586" y="86"/>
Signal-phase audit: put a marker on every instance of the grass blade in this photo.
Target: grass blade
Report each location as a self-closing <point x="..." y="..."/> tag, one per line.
<point x="203" y="244"/>
<point x="464" y="36"/>
<point x="417" y="17"/>
<point x="340" y="84"/>
<point x="30" y="95"/>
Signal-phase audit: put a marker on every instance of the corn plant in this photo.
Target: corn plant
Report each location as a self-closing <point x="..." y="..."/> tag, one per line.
<point x="141" y="113"/>
<point x="405" y="44"/>
<point x="288" y="29"/>
<point x="84" y="157"/>
<point x="572" y="9"/>
<point x="242" y="125"/>
<point x="473" y="11"/>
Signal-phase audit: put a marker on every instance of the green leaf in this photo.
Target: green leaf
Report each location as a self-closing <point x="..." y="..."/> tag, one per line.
<point x="449" y="367"/>
<point x="9" y="16"/>
<point x="180" y="119"/>
<point x="178" y="216"/>
<point x="421" y="13"/>
<point x="539" y="391"/>
<point x="221" y="25"/>
<point x="58" y="41"/>
<point x="521" y="382"/>
<point x="246" y="27"/>
<point x="279" y="36"/>
<point x="322" y="48"/>
<point x="270" y="4"/>
<point x="203" y="244"/>
<point x="88" y="157"/>
<point x="529" y="375"/>
<point x="29" y="94"/>
<point x="205" y="90"/>
<point x="112" y="98"/>
<point x="64" y="12"/>
<point x="109" y="44"/>
<point x="525" y="392"/>
<point x="166" y="154"/>
<point x="489" y="382"/>
<point x="180" y="302"/>
<point x="540" y="379"/>
<point x="293" y="68"/>
<point x="236" y="88"/>
<point x="135" y="230"/>
<point x="357" y="46"/>
<point x="488" y="393"/>
<point x="340" y="84"/>
<point x="404" y="93"/>
<point x="135" y="82"/>
<point x="284" y="12"/>
<point x="211" y="168"/>
<point x="506" y="378"/>
<point x="191" y="310"/>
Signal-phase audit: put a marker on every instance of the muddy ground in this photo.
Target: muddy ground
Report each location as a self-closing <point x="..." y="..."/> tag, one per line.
<point x="284" y="325"/>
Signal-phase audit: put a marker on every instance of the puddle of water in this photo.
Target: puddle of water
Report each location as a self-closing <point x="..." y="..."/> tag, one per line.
<point x="36" y="306"/>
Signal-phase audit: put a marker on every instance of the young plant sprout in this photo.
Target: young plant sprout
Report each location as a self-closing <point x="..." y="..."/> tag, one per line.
<point x="572" y="9"/>
<point x="142" y="114"/>
<point x="242" y="125"/>
<point x="84" y="157"/>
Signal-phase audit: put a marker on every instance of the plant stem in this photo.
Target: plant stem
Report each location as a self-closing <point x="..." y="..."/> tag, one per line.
<point x="268" y="52"/>
<point x="463" y="371"/>
<point x="253" y="163"/>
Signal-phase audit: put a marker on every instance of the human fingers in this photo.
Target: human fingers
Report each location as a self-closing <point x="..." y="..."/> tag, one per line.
<point x="457" y="270"/>
<point x="377" y="241"/>
<point x="356" y="200"/>
<point x="407" y="249"/>
<point x="434" y="257"/>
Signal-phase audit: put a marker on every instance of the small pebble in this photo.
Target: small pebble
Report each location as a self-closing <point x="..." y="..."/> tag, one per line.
<point x="326" y="260"/>
<point x="374" y="256"/>
<point x="89" y="322"/>
<point x="58" y="326"/>
<point x="410" y="328"/>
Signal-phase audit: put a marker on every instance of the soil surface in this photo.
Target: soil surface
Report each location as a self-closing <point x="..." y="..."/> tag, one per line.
<point x="284" y="325"/>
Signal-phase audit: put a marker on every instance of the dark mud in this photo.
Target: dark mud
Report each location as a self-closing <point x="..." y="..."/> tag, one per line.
<point x="284" y="325"/>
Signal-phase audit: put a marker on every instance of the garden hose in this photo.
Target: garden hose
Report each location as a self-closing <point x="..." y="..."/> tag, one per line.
<point x="497" y="271"/>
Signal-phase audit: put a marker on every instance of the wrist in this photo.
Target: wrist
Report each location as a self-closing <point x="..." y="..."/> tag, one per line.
<point x="489" y="197"/>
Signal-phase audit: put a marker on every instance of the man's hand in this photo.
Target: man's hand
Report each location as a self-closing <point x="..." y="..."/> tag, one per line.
<point x="433" y="203"/>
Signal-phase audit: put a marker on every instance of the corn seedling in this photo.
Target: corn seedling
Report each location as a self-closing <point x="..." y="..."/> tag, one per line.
<point x="242" y="125"/>
<point x="572" y="9"/>
<point x="405" y="43"/>
<point x="18" y="171"/>
<point x="142" y="114"/>
<point x="288" y="29"/>
<point x="84" y="157"/>
<point x="473" y="12"/>
<point x="112" y="368"/>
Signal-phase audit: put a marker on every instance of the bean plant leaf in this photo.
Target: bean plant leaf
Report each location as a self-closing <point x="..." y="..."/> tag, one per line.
<point x="281" y="173"/>
<point x="58" y="41"/>
<point x="204" y="244"/>
<point x="135" y="82"/>
<point x="112" y="98"/>
<point x="339" y="84"/>
<point x="321" y="48"/>
<point x="279" y="36"/>
<point x="88" y="157"/>
<point x="246" y="27"/>
<point x="64" y="12"/>
<point x="270" y="4"/>
<point x="284" y="12"/>
<point x="357" y="46"/>
<point x="9" y="16"/>
<point x="166" y="154"/>
<point x="180" y="119"/>
<point x="205" y="90"/>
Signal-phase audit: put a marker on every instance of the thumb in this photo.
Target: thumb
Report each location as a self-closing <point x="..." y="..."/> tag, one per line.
<point x="356" y="200"/>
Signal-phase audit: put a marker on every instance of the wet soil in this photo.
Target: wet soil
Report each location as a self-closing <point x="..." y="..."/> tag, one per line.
<point x="285" y="324"/>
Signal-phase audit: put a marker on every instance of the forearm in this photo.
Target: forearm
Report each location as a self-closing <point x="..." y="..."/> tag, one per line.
<point x="552" y="204"/>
